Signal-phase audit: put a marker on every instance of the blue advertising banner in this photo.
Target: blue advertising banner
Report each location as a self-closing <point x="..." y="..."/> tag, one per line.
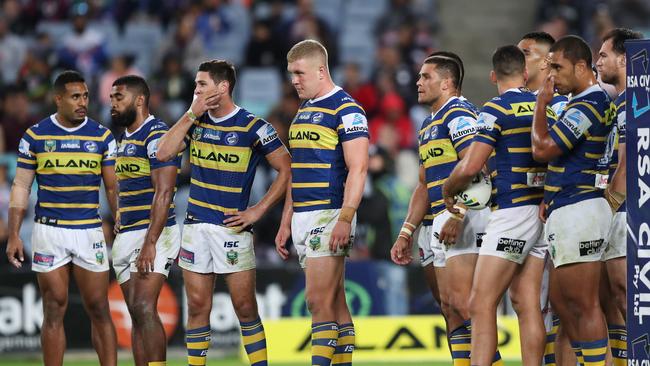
<point x="637" y="112"/>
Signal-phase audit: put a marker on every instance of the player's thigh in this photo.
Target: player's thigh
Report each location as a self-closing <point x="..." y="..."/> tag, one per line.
<point x="492" y="277"/>
<point x="320" y="274"/>
<point x="526" y="284"/>
<point x="93" y="286"/>
<point x="241" y="286"/>
<point x="461" y="268"/>
<point x="53" y="286"/>
<point x="617" y="273"/>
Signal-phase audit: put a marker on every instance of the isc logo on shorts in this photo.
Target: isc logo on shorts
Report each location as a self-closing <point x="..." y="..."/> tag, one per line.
<point x="508" y="245"/>
<point x="591" y="247"/>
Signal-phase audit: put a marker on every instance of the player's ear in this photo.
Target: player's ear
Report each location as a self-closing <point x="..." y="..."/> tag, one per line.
<point x="493" y="77"/>
<point x="321" y="72"/>
<point x="620" y="61"/>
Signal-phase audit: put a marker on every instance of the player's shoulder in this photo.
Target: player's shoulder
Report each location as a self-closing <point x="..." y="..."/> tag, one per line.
<point x="343" y="103"/>
<point x="42" y="127"/>
<point x="456" y="109"/>
<point x="620" y="99"/>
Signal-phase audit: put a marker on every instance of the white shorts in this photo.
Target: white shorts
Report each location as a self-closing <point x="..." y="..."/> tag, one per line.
<point x="576" y="233"/>
<point x="471" y="237"/>
<point x="617" y="237"/>
<point x="311" y="231"/>
<point x="514" y="233"/>
<point x="210" y="248"/>
<point x="430" y="253"/>
<point x="53" y="247"/>
<point x="126" y="248"/>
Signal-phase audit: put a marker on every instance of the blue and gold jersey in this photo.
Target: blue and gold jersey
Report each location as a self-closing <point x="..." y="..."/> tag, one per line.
<point x="224" y="153"/>
<point x="68" y="164"/>
<point x="316" y="135"/>
<point x="581" y="132"/>
<point x="136" y="159"/>
<point x="616" y="137"/>
<point x="505" y="123"/>
<point x="443" y="135"/>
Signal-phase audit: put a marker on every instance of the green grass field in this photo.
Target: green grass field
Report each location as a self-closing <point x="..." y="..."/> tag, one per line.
<point x="9" y="361"/>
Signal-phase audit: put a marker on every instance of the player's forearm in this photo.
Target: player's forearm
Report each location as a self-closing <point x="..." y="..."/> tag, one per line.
<point x="277" y="189"/>
<point x="287" y="210"/>
<point x="16" y="216"/>
<point x="619" y="179"/>
<point x="418" y="205"/>
<point x="354" y="186"/>
<point x="460" y="178"/>
<point x="539" y="134"/>
<point x="112" y="197"/>
<point x="172" y="142"/>
<point x="161" y="202"/>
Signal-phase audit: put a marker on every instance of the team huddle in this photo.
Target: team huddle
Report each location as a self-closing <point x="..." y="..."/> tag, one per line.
<point x="552" y="145"/>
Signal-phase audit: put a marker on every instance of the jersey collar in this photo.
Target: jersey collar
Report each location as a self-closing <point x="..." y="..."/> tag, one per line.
<point x="127" y="134"/>
<point x="228" y="116"/>
<point x="67" y="129"/>
<point x="329" y="94"/>
<point x="433" y="114"/>
<point x="591" y="89"/>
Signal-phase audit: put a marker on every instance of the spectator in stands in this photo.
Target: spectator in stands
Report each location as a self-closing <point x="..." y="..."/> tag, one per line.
<point x="84" y="48"/>
<point x="185" y="43"/>
<point x="363" y="92"/>
<point x="176" y="84"/>
<point x="13" y="50"/>
<point x="120" y="65"/>
<point x="36" y="72"/>
<point x="15" y="118"/>
<point x="306" y="24"/>
<point x="263" y="50"/>
<point x="392" y="112"/>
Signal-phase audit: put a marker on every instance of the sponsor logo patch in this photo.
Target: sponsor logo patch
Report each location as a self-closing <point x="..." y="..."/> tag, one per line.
<point x="514" y="246"/>
<point x="43" y="259"/>
<point x="186" y="256"/>
<point x="591" y="247"/>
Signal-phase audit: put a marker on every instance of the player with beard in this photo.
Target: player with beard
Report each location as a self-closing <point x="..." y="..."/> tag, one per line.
<point x="148" y="240"/>
<point x="69" y="154"/>
<point x="611" y="67"/>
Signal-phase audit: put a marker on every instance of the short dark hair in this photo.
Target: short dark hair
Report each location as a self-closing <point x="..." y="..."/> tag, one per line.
<point x="540" y="37"/>
<point x="574" y="49"/>
<point x="619" y="36"/>
<point x="508" y="61"/>
<point x="458" y="60"/>
<point x="220" y="70"/>
<point x="67" y="77"/>
<point x="136" y="84"/>
<point x="448" y="65"/>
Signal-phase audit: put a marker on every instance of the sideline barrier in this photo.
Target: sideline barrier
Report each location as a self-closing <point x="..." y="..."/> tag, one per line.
<point x="382" y="338"/>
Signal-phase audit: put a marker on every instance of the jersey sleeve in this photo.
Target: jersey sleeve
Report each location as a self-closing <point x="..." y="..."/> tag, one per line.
<point x="558" y="103"/>
<point x="151" y="144"/>
<point x="109" y="153"/>
<point x="353" y="124"/>
<point x="27" y="151"/>
<point x="489" y="124"/>
<point x="462" y="130"/>
<point x="266" y="138"/>
<point x="571" y="128"/>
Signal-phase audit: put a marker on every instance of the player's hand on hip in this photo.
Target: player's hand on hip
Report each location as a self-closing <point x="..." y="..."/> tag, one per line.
<point x="450" y="231"/>
<point x="542" y="212"/>
<point x="15" y="252"/>
<point x="284" y="233"/>
<point x="240" y="220"/>
<point x="401" y="252"/>
<point x="340" y="237"/>
<point x="546" y="92"/>
<point x="146" y="258"/>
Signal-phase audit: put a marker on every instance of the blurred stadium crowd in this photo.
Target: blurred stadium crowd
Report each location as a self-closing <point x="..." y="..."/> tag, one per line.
<point x="376" y="48"/>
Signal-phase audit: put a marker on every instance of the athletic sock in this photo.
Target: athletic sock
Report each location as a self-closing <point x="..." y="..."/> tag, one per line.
<point x="549" y="350"/>
<point x="594" y="352"/>
<point x="254" y="339"/>
<point x="344" y="345"/>
<point x="618" y="344"/>
<point x="577" y="349"/>
<point x="324" y="336"/>
<point x="460" y="341"/>
<point x="198" y="342"/>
